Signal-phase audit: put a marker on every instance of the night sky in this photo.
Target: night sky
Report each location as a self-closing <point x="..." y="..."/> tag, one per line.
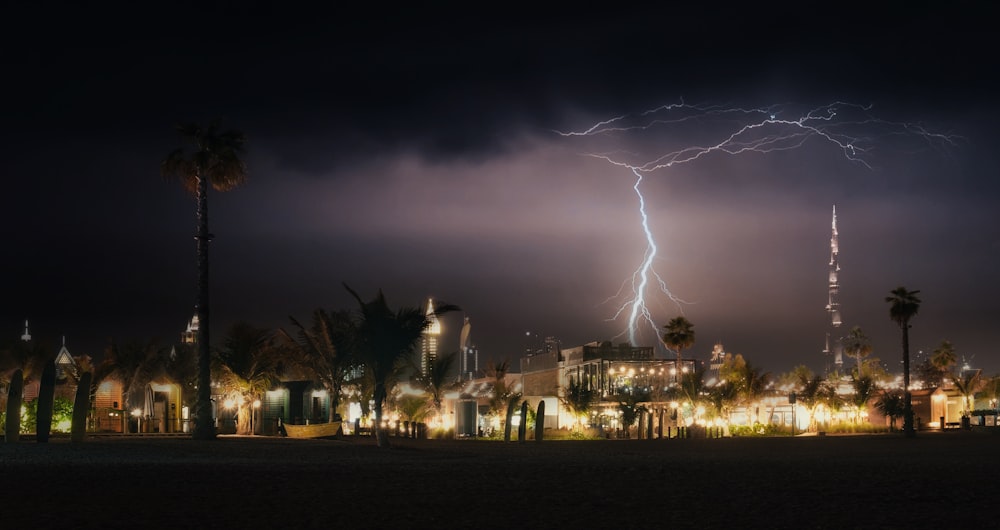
<point x="417" y="152"/>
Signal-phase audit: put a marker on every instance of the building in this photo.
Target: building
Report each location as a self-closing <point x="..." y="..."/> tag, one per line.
<point x="616" y="374"/>
<point x="833" y="349"/>
<point x="429" y="340"/>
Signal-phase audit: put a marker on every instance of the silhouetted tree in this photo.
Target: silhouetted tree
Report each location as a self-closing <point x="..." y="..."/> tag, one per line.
<point x="904" y="305"/>
<point x="214" y="161"/>
<point x="383" y="338"/>
<point x="679" y="336"/>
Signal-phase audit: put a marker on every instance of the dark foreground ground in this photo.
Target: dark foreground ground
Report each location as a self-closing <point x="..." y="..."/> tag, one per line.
<point x="938" y="480"/>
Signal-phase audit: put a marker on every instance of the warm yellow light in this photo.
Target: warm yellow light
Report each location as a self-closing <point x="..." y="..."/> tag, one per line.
<point x="229" y="403"/>
<point x="256" y="403"/>
<point x="136" y="412"/>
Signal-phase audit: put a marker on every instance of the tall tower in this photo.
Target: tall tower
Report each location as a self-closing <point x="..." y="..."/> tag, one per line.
<point x="429" y="346"/>
<point x="832" y="305"/>
<point x="469" y="353"/>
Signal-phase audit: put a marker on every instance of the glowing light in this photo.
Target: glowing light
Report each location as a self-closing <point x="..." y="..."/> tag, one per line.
<point x="846" y="127"/>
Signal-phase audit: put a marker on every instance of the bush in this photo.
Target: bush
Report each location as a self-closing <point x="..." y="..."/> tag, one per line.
<point x="62" y="416"/>
<point x="856" y="428"/>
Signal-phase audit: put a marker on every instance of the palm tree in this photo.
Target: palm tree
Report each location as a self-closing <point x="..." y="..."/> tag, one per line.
<point x="249" y="364"/>
<point x="857" y="345"/>
<point x="864" y="390"/>
<point x="992" y="390"/>
<point x="630" y="409"/>
<point x="503" y="398"/>
<point x="810" y="394"/>
<point x="413" y="408"/>
<point x="325" y="349"/>
<point x="904" y="305"/>
<point x="890" y="404"/>
<point x="944" y="358"/>
<point x="501" y="392"/>
<point x="215" y="160"/>
<point x="723" y="396"/>
<point x="679" y="336"/>
<point x="132" y="364"/>
<point x="692" y="388"/>
<point x="578" y="398"/>
<point x="438" y="378"/>
<point x="749" y="380"/>
<point x="383" y="340"/>
<point x="968" y="384"/>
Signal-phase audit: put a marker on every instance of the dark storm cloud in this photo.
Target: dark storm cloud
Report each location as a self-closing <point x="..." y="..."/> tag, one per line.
<point x="414" y="151"/>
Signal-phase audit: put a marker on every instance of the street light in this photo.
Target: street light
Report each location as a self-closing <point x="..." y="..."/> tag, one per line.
<point x="137" y="414"/>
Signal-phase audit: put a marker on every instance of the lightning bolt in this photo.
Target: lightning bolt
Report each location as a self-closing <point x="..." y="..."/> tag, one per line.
<point x="847" y="127"/>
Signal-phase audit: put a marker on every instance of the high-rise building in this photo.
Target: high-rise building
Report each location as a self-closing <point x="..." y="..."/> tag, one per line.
<point x="429" y="344"/>
<point x="833" y="347"/>
<point x="470" y="355"/>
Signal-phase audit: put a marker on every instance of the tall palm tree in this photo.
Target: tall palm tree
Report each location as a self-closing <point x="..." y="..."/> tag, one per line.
<point x="903" y="306"/>
<point x="325" y="349"/>
<point x="383" y="339"/>
<point x="249" y="363"/>
<point x="215" y="160"/>
<point x="857" y="345"/>
<point x="679" y="336"/>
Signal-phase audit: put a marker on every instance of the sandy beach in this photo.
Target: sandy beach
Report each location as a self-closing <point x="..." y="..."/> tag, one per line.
<point x="937" y="480"/>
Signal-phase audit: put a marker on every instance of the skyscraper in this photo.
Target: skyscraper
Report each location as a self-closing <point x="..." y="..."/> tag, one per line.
<point x="833" y="306"/>
<point x="469" y="353"/>
<point x="429" y="344"/>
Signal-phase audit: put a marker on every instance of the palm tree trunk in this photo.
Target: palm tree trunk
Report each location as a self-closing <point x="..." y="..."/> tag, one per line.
<point x="381" y="435"/>
<point x="908" y="430"/>
<point x="204" y="428"/>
